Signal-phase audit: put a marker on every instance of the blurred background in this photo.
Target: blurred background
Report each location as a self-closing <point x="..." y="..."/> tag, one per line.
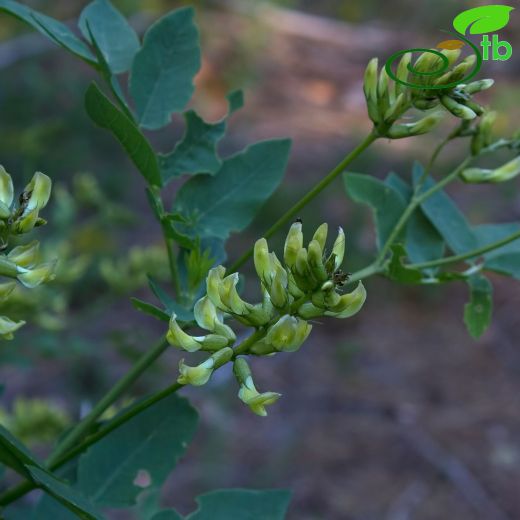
<point x="394" y="414"/>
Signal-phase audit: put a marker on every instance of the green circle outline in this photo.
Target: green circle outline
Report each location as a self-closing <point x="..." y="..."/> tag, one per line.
<point x="473" y="73"/>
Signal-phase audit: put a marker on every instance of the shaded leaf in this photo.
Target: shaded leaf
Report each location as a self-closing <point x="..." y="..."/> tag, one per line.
<point x="396" y="269"/>
<point x="477" y="313"/>
<point x="217" y="205"/>
<point x="57" y="31"/>
<point x="505" y="259"/>
<point x="385" y="201"/>
<point x="150" y="309"/>
<point x="170" y="305"/>
<point x="242" y="504"/>
<point x="197" y="151"/>
<point x="64" y="494"/>
<point x="150" y="442"/>
<point x="117" y="41"/>
<point x="447" y="219"/>
<point x="106" y="115"/>
<point x="14" y="454"/>
<point x="161" y="81"/>
<point x="483" y="19"/>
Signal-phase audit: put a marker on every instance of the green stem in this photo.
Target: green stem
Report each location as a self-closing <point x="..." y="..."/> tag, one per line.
<point x="174" y="271"/>
<point x="416" y="201"/>
<point x="365" y="272"/>
<point x="470" y="254"/>
<point x="58" y="459"/>
<point x="316" y="190"/>
<point x="83" y="427"/>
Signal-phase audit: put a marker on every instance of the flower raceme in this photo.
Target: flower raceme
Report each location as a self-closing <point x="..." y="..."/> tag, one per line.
<point x="387" y="101"/>
<point x="21" y="262"/>
<point x="307" y="284"/>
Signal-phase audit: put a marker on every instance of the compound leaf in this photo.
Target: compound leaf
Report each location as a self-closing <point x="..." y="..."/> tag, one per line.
<point x="217" y="205"/>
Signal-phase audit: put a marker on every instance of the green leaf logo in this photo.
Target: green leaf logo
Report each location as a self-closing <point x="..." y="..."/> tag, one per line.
<point x="481" y="20"/>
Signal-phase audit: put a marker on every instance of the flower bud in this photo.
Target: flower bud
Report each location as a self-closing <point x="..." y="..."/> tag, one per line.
<point x="288" y="333"/>
<point x="25" y="256"/>
<point x="402" y="73"/>
<point x="293" y="243"/>
<point x="213" y="284"/>
<point x="38" y="191"/>
<point x="315" y="261"/>
<point x="199" y="375"/>
<point x="178" y="338"/>
<point x="229" y="296"/>
<point x="325" y="299"/>
<point x="6" y="289"/>
<point x="478" y="86"/>
<point x="40" y="274"/>
<point x="278" y="290"/>
<point x="457" y="109"/>
<point x="505" y="173"/>
<point x="422" y="126"/>
<point x="248" y="392"/>
<point x="208" y="318"/>
<point x="349" y="303"/>
<point x="8" y="326"/>
<point x="26" y="222"/>
<point x="370" y="89"/>
<point x="6" y="188"/>
<point x="320" y="235"/>
<point x="308" y="311"/>
<point x="483" y="132"/>
<point x="262" y="261"/>
<point x="396" y="109"/>
<point x="338" y="249"/>
<point x="8" y="268"/>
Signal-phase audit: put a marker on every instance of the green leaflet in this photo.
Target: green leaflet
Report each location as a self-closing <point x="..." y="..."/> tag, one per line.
<point x="148" y="308"/>
<point x="239" y="504"/>
<point x="14" y="454"/>
<point x="483" y="19"/>
<point x="477" y="313"/>
<point x="57" y="31"/>
<point x="64" y="494"/>
<point x="215" y="206"/>
<point x="106" y="115"/>
<point x="161" y="80"/>
<point x="197" y="151"/>
<point x="396" y="269"/>
<point x="385" y="201"/>
<point x="117" y="41"/>
<point x="150" y="443"/>
<point x="505" y="259"/>
<point x="170" y="305"/>
<point x="447" y="218"/>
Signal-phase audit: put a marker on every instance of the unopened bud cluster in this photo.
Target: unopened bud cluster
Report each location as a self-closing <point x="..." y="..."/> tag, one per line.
<point x="437" y="82"/>
<point x="21" y="263"/>
<point x="307" y="284"/>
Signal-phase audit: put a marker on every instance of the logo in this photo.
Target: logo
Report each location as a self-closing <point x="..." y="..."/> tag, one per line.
<point x="479" y="20"/>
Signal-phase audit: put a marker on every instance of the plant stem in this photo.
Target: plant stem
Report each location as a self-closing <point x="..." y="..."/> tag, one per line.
<point x="310" y="195"/>
<point x="172" y="262"/>
<point x="417" y="200"/>
<point x="115" y="393"/>
<point x="470" y="254"/>
<point x="371" y="269"/>
<point x="61" y="456"/>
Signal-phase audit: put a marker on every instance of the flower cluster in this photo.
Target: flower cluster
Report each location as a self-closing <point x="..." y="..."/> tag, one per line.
<point x="437" y="82"/>
<point x="21" y="263"/>
<point x="306" y="285"/>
